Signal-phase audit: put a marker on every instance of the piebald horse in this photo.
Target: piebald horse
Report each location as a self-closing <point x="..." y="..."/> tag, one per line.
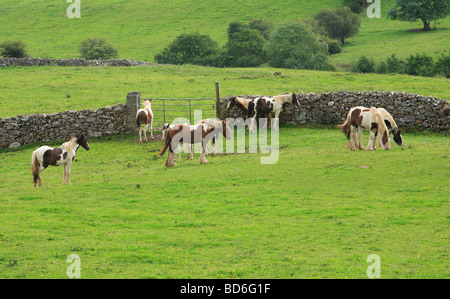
<point x="145" y="116"/>
<point x="359" y="118"/>
<point x="64" y="155"/>
<point x="192" y="134"/>
<point x="392" y="127"/>
<point x="270" y="106"/>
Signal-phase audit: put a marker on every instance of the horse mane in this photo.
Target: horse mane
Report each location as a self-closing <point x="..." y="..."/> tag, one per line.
<point x="381" y="124"/>
<point x="69" y="145"/>
<point x="389" y="117"/>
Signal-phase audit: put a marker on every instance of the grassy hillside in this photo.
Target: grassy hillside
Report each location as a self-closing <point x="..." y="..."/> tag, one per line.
<point x="140" y="29"/>
<point x="28" y="90"/>
<point x="317" y="213"/>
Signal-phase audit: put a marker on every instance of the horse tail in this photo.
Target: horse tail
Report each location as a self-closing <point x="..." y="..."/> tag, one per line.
<point x="345" y="127"/>
<point x="250" y="109"/>
<point x="35" y="168"/>
<point x="139" y="119"/>
<point x="166" y="144"/>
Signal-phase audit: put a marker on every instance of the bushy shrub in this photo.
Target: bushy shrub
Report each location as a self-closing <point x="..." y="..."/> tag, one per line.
<point x="442" y="65"/>
<point x="333" y="45"/>
<point x="189" y="48"/>
<point x="364" y="65"/>
<point x="293" y="45"/>
<point x="245" y="48"/>
<point x="263" y="26"/>
<point x="97" y="49"/>
<point x="13" y="48"/>
<point x="394" y="65"/>
<point x="357" y="6"/>
<point x="381" y="68"/>
<point x="420" y="65"/>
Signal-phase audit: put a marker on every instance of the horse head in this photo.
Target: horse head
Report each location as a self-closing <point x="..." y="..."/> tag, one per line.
<point x="164" y="131"/>
<point x="81" y="140"/>
<point x="397" y="136"/>
<point x="385" y="140"/>
<point x="231" y="102"/>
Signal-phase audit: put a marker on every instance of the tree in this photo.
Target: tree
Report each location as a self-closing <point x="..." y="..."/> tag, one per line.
<point x="340" y="23"/>
<point x="357" y="6"/>
<point x="364" y="65"/>
<point x="245" y="49"/>
<point x="293" y="45"/>
<point x="424" y="10"/>
<point x="97" y="48"/>
<point x="13" y="48"/>
<point x="263" y="26"/>
<point x="442" y="65"/>
<point x="192" y="48"/>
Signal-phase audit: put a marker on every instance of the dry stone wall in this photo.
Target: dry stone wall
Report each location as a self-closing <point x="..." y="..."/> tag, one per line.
<point x="42" y="128"/>
<point x="410" y="111"/>
<point x="5" y="62"/>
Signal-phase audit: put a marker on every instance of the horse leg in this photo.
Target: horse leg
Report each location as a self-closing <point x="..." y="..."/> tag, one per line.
<point x="371" y="141"/>
<point x="203" y="154"/>
<point x="65" y="173"/>
<point x="190" y="155"/>
<point x="140" y="135"/>
<point x="213" y="144"/>
<point x="352" y="138"/>
<point x="277" y="125"/>
<point x="360" y="145"/>
<point x="151" y="130"/>
<point x="68" y="173"/>
<point x="145" y="132"/>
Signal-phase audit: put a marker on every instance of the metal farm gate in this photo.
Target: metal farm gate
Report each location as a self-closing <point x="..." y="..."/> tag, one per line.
<point x="166" y="110"/>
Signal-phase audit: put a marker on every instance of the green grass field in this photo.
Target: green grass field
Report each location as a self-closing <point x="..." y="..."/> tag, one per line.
<point x="141" y="29"/>
<point x="28" y="90"/>
<point x="319" y="212"/>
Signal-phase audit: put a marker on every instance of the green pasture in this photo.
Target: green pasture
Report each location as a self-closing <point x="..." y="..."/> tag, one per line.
<point x="141" y="29"/>
<point x="30" y="90"/>
<point x="319" y="212"/>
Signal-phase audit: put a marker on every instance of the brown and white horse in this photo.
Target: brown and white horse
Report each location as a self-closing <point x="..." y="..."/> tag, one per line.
<point x="240" y="102"/>
<point x="359" y="118"/>
<point x="64" y="155"/>
<point x="271" y="107"/>
<point x="145" y="116"/>
<point x="392" y="127"/>
<point x="192" y="134"/>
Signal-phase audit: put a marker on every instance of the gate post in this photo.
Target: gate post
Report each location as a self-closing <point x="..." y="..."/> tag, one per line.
<point x="133" y="105"/>
<point x="217" y="99"/>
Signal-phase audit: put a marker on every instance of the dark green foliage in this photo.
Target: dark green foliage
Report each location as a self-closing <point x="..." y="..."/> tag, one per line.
<point x="263" y="26"/>
<point x="442" y="66"/>
<point x="293" y="45"/>
<point x="424" y="10"/>
<point x="394" y="65"/>
<point x="192" y="48"/>
<point x="245" y="48"/>
<point x="420" y="65"/>
<point x="357" y="6"/>
<point x="381" y="68"/>
<point x="339" y="23"/>
<point x="97" y="49"/>
<point x="333" y="45"/>
<point x="364" y="65"/>
<point x="13" y="48"/>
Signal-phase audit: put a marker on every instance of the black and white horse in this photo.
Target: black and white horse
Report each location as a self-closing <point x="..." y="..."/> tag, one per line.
<point x="270" y="107"/>
<point x="64" y="155"/>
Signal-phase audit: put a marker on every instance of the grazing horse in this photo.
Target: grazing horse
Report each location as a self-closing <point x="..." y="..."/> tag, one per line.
<point x="64" y="155"/>
<point x="178" y="151"/>
<point x="359" y="118"/>
<point x="145" y="116"/>
<point x="392" y="127"/>
<point x="192" y="134"/>
<point x="270" y="106"/>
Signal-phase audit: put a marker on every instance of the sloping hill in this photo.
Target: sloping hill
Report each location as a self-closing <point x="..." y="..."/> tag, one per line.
<point x="140" y="29"/>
